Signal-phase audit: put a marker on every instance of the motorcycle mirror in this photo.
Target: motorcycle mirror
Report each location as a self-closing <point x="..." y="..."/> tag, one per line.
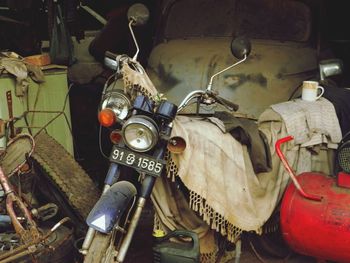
<point x="241" y="47"/>
<point x="139" y="14"/>
<point x="330" y="67"/>
<point x="111" y="206"/>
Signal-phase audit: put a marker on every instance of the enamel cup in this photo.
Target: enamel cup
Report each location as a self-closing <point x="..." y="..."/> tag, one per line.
<point x="310" y="91"/>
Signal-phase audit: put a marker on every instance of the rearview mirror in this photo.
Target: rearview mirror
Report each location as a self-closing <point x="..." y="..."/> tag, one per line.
<point x="330" y="67"/>
<point x="241" y="47"/>
<point x="139" y="14"/>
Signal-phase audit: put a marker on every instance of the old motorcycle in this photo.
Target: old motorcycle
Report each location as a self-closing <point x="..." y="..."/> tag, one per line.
<point x="140" y="130"/>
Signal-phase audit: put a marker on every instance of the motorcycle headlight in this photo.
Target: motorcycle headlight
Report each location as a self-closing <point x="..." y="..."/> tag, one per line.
<point x="116" y="101"/>
<point x="140" y="133"/>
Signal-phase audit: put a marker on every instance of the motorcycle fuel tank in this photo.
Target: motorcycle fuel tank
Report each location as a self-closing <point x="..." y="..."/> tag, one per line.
<point x="317" y="228"/>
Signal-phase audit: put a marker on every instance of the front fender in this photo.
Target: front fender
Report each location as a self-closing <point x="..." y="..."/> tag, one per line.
<point x="111" y="206"/>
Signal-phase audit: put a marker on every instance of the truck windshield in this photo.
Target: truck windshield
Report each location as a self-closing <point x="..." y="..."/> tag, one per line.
<point x="264" y="19"/>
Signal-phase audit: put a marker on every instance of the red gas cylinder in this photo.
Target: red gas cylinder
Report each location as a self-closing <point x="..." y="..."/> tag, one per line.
<point x="317" y="228"/>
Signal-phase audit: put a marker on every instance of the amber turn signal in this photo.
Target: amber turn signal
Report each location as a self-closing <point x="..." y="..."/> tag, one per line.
<point x="176" y="145"/>
<point x="106" y="117"/>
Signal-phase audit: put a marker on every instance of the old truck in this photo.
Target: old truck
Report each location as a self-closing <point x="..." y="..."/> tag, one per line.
<point x="192" y="43"/>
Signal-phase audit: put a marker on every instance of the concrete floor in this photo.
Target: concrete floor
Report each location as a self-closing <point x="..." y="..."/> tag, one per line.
<point x="141" y="251"/>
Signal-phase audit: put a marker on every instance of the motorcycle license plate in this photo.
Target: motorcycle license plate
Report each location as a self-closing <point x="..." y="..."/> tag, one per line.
<point x="142" y="163"/>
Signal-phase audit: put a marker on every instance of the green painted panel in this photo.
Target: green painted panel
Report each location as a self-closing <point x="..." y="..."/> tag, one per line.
<point x="47" y="101"/>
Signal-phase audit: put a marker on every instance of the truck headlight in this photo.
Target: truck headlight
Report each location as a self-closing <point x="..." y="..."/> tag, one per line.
<point x="140" y="133"/>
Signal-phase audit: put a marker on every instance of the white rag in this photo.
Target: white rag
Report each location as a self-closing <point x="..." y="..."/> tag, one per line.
<point x="311" y="123"/>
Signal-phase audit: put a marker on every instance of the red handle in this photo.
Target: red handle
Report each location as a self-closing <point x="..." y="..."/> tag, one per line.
<point x="290" y="170"/>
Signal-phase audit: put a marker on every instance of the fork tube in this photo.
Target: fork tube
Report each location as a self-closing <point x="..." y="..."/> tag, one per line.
<point x="112" y="174"/>
<point x="132" y="227"/>
<point x="111" y="178"/>
<point x="146" y="190"/>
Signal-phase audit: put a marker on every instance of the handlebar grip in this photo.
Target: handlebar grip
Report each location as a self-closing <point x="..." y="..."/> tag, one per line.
<point x="111" y="55"/>
<point x="227" y="103"/>
<point x="112" y="60"/>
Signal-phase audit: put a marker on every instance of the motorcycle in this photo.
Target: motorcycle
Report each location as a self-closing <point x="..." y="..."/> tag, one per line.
<point x="140" y="122"/>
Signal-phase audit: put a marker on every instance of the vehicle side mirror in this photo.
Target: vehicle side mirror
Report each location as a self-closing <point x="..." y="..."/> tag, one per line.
<point x="139" y="14"/>
<point x="330" y="67"/>
<point x="241" y="47"/>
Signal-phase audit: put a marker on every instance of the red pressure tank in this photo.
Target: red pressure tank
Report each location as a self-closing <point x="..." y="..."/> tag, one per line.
<point x="320" y="229"/>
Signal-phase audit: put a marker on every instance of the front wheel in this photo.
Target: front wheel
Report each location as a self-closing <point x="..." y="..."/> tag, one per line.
<point x="98" y="248"/>
<point x="112" y="207"/>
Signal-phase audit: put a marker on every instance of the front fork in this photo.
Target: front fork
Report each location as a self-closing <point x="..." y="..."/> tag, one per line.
<point x="111" y="178"/>
<point x="146" y="190"/>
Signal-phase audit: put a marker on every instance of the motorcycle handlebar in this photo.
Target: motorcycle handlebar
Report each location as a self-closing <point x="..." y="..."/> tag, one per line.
<point x="111" y="55"/>
<point x="228" y="104"/>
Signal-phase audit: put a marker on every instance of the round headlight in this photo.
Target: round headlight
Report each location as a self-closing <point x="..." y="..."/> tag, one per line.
<point x="118" y="102"/>
<point x="140" y="133"/>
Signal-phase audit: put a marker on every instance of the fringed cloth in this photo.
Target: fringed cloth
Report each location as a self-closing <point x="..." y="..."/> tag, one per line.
<point x="225" y="194"/>
<point x="173" y="212"/>
<point x="137" y="82"/>
<point x="224" y="191"/>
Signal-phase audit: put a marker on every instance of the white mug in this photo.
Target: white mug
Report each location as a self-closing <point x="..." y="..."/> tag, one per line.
<point x="310" y="90"/>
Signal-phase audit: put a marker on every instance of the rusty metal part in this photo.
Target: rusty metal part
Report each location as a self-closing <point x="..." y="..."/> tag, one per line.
<point x="33" y="234"/>
<point x="45" y="212"/>
<point x="10" y="110"/>
<point x="15" y="256"/>
<point x="6" y="186"/>
<point x="16" y="154"/>
<point x="11" y="199"/>
<point x="2" y="128"/>
<point x="32" y="247"/>
<point x="26" y="168"/>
